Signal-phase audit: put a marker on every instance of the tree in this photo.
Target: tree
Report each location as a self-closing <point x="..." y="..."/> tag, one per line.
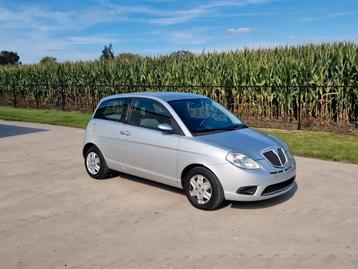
<point x="9" y="57"/>
<point x="48" y="60"/>
<point x="181" y="53"/>
<point x="126" y="56"/>
<point x="107" y="53"/>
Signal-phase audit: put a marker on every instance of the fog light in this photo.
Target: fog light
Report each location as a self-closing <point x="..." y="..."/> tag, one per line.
<point x="247" y="190"/>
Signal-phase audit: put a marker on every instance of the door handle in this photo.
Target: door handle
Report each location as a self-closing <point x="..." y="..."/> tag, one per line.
<point x="125" y="133"/>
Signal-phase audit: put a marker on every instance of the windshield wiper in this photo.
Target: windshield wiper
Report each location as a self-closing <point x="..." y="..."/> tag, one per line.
<point x="226" y="128"/>
<point x="234" y="127"/>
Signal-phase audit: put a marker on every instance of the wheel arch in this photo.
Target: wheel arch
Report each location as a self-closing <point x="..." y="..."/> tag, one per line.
<point x="190" y="167"/>
<point x="86" y="147"/>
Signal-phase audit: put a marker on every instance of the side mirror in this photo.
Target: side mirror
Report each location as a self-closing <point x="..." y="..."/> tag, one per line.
<point x="165" y="127"/>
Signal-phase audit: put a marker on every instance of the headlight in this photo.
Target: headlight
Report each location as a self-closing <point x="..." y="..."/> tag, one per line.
<point x="242" y="161"/>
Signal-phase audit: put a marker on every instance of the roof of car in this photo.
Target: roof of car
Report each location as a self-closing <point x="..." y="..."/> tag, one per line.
<point x="165" y="96"/>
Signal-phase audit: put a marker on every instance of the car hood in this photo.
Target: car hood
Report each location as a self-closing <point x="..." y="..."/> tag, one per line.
<point x="246" y="141"/>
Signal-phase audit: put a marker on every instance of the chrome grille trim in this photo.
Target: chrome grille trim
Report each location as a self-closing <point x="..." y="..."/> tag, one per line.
<point x="282" y="156"/>
<point x="281" y="171"/>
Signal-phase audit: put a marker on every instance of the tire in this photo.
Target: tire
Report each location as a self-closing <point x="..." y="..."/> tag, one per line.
<point x="199" y="197"/>
<point x="98" y="169"/>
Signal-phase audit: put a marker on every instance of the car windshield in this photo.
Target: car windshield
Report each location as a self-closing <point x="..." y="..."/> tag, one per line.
<point x="203" y="115"/>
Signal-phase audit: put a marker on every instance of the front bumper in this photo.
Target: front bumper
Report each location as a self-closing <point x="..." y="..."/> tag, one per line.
<point x="270" y="181"/>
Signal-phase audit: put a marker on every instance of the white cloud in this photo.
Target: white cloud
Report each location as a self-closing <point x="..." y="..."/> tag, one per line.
<point x="32" y="46"/>
<point x="186" y="15"/>
<point x="291" y="37"/>
<point x="45" y="20"/>
<point x="39" y="30"/>
<point x="92" y="40"/>
<point x="189" y="37"/>
<point x="35" y="32"/>
<point x="238" y="31"/>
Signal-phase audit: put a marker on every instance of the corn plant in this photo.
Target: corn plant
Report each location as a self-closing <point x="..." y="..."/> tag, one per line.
<point x="255" y="83"/>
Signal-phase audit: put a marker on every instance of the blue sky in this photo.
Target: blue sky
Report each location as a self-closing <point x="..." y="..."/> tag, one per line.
<point x="78" y="30"/>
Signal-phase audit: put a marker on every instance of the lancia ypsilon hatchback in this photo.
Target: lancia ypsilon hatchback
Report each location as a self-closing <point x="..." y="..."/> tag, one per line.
<point x="188" y="141"/>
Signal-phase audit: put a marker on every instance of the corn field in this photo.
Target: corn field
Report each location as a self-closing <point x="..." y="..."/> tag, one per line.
<point x="312" y="82"/>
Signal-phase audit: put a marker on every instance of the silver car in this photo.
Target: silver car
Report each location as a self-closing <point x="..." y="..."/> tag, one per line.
<point x="187" y="141"/>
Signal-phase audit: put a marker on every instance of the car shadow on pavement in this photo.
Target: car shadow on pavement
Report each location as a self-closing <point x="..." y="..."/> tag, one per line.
<point x="265" y="203"/>
<point x="147" y="182"/>
<point x="239" y="205"/>
<point x="12" y="130"/>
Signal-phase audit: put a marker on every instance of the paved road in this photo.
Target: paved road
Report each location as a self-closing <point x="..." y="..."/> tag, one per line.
<point x="52" y="215"/>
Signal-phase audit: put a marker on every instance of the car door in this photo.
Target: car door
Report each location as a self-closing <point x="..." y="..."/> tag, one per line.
<point x="147" y="151"/>
<point x="106" y="124"/>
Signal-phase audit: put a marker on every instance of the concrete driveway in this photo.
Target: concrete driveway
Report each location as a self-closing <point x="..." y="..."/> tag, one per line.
<point x="52" y="215"/>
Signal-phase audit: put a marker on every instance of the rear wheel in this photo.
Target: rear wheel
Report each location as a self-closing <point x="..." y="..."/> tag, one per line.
<point x="203" y="189"/>
<point x="95" y="164"/>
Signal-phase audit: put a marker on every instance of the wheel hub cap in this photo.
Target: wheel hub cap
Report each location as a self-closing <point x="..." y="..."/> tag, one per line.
<point x="200" y="188"/>
<point x="93" y="163"/>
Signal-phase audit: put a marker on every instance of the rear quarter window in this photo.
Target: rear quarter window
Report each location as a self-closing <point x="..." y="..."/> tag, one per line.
<point x="112" y="109"/>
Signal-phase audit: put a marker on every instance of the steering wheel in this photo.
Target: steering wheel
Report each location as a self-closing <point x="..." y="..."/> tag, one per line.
<point x="204" y="121"/>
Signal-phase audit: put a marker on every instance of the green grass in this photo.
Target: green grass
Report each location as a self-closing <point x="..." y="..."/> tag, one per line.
<point x="49" y="116"/>
<point x="316" y="144"/>
<point x="321" y="145"/>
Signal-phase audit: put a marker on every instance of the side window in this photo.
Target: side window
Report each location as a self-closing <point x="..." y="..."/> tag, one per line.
<point x="149" y="113"/>
<point x="112" y="109"/>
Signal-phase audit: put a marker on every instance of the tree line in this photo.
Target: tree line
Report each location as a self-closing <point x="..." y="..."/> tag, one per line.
<point x="12" y="58"/>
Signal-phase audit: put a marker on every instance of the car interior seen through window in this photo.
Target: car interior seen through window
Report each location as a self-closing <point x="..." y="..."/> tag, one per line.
<point x="149" y="113"/>
<point x="202" y="115"/>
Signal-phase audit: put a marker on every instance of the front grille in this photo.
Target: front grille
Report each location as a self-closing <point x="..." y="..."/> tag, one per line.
<point x="278" y="187"/>
<point x="272" y="158"/>
<point x="276" y="157"/>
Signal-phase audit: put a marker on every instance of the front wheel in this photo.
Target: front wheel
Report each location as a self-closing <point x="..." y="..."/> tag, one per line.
<point x="203" y="189"/>
<point x="95" y="163"/>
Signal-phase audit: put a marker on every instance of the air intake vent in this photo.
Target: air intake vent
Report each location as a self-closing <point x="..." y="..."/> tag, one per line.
<point x="276" y="157"/>
<point x="278" y="187"/>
